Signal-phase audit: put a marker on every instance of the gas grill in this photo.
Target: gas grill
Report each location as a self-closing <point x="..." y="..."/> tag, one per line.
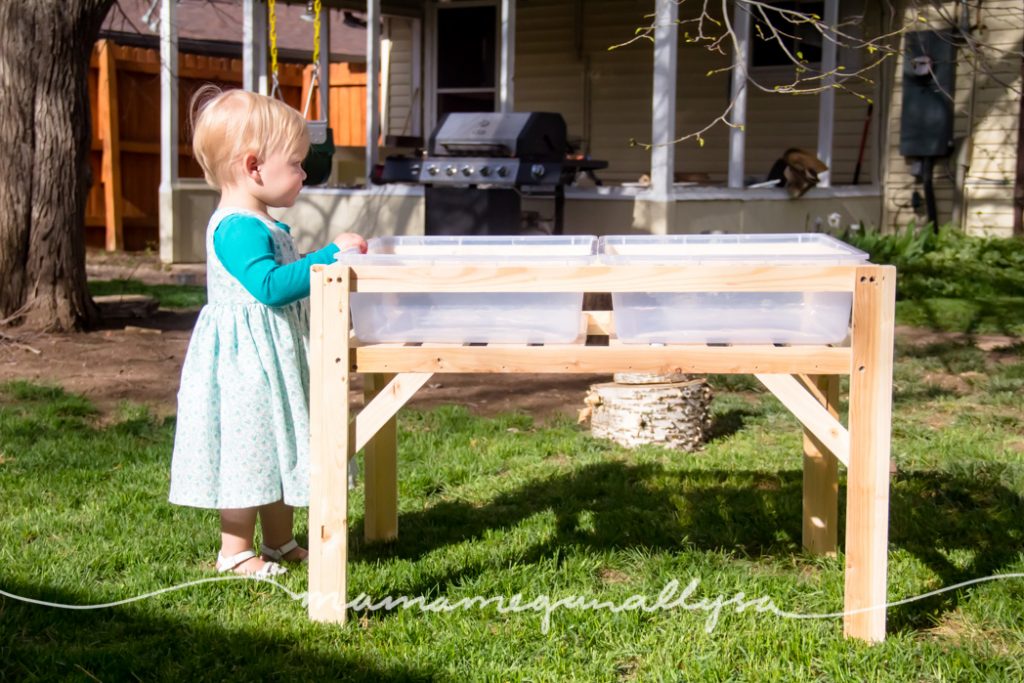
<point x="479" y="164"/>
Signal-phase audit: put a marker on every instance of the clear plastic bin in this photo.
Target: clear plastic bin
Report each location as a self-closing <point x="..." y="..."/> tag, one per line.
<point x="731" y="317"/>
<point x="513" y="318"/>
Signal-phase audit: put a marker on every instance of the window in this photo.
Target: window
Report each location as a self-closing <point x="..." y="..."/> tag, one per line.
<point x="802" y="38"/>
<point x="467" y="59"/>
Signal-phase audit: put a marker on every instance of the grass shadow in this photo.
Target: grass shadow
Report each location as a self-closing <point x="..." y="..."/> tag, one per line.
<point x="616" y="505"/>
<point x="145" y="643"/>
<point x="163" y="320"/>
<point x="921" y="392"/>
<point x="610" y="505"/>
<point x="943" y="518"/>
<point x="970" y="317"/>
<point x="953" y="356"/>
<point x="728" y="422"/>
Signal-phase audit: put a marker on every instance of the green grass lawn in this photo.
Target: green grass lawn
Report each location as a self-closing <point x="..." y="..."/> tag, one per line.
<point x="169" y="296"/>
<point x="996" y="315"/>
<point x="949" y="281"/>
<point x="498" y="507"/>
<point x="503" y="507"/>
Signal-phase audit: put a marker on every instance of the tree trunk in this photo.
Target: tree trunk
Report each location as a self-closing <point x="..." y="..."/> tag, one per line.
<point x="45" y="135"/>
<point x="637" y="409"/>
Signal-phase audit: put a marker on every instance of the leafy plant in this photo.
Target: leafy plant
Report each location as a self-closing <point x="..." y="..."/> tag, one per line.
<point x="947" y="264"/>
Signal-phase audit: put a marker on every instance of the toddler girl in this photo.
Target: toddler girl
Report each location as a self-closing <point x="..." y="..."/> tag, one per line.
<point x="242" y="439"/>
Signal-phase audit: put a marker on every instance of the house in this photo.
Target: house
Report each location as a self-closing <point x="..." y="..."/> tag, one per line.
<point x="979" y="185"/>
<point x="554" y="55"/>
<point x="124" y="87"/>
<point x="213" y="27"/>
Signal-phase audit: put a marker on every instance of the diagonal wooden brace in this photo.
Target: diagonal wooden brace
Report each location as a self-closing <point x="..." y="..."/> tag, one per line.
<point x="384" y="406"/>
<point x="811" y="414"/>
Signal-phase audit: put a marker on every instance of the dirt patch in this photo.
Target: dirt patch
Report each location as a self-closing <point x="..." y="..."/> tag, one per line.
<point x="139" y="360"/>
<point x="810" y="573"/>
<point x="938" y="421"/>
<point x="953" y="384"/>
<point x="613" y="576"/>
<point x="917" y="336"/>
<point x="108" y="366"/>
<point x="142" y="266"/>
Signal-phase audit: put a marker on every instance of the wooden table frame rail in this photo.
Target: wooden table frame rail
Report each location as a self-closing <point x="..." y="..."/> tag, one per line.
<point x="804" y="378"/>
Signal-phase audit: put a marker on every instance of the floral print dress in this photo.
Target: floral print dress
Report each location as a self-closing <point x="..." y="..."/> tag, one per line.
<point x="242" y="435"/>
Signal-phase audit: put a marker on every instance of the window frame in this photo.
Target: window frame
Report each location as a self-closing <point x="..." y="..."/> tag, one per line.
<point x="431" y="65"/>
<point x="788" y="68"/>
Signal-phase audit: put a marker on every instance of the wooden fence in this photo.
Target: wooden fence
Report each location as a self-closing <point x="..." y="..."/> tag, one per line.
<point x="122" y="209"/>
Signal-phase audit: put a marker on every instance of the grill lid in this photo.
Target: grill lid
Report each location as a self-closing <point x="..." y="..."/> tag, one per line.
<point x="530" y="136"/>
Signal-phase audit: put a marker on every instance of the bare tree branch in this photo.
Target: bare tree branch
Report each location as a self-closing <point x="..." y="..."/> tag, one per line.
<point x="781" y="28"/>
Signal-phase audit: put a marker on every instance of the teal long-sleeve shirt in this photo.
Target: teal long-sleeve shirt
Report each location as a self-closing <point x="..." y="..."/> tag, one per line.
<point x="246" y="248"/>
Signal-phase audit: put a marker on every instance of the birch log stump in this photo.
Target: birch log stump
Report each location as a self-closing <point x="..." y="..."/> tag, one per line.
<point x="636" y="409"/>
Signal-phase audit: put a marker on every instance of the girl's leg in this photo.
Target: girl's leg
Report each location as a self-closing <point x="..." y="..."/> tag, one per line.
<point x="276" y="522"/>
<point x="237" y="528"/>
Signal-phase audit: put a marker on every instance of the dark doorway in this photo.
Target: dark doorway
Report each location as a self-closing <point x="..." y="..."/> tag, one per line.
<point x="467" y="59"/>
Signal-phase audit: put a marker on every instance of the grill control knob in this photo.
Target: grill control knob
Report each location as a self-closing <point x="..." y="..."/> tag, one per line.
<point x="467" y="171"/>
<point x="485" y="171"/>
<point x="451" y="170"/>
<point x="433" y="170"/>
<point x="502" y="171"/>
<point x="537" y="171"/>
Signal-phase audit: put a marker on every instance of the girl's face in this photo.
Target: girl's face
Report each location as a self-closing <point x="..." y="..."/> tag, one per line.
<point x="281" y="175"/>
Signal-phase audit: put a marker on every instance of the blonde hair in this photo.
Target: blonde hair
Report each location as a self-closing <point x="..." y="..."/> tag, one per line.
<point x="228" y="124"/>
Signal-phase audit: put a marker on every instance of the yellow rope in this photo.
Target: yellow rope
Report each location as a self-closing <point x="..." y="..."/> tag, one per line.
<point x="316" y="32"/>
<point x="272" y="30"/>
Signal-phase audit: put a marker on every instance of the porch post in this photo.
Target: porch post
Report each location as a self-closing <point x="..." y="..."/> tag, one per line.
<point x="663" y="102"/>
<point x="655" y="209"/>
<point x="169" y="251"/>
<point x="386" y="46"/>
<point x="418" y="104"/>
<point x="740" y="60"/>
<point x="254" y="46"/>
<point x="508" y="54"/>
<point x="827" y="101"/>
<point x="416" y="108"/>
<point x="325" y="65"/>
<point x="372" y="84"/>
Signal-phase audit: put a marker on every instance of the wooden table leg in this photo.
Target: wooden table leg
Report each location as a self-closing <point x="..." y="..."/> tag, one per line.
<point x="381" y="470"/>
<point x="867" y="504"/>
<point x="331" y="444"/>
<point x="821" y="479"/>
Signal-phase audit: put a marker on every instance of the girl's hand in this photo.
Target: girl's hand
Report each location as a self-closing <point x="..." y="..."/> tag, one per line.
<point x="349" y="241"/>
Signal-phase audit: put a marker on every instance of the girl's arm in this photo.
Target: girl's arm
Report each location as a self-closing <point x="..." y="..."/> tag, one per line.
<point x="246" y="248"/>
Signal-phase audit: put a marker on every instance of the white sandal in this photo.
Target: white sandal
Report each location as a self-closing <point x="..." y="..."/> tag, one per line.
<point x="229" y="564"/>
<point x="277" y="554"/>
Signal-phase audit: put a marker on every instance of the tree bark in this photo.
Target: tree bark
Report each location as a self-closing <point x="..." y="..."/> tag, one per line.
<point x="46" y="134"/>
<point x="639" y="409"/>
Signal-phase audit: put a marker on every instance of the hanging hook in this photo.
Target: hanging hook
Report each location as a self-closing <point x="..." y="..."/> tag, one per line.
<point x="314" y="82"/>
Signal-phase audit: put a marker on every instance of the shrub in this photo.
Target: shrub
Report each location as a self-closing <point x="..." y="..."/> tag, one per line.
<point x="947" y="264"/>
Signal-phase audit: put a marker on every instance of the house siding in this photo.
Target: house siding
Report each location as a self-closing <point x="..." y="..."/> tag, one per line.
<point x="605" y="95"/>
<point x="400" y="92"/>
<point x="984" y="204"/>
<point x="563" y="63"/>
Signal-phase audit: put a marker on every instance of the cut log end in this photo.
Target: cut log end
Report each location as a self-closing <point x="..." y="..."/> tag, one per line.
<point x="673" y="412"/>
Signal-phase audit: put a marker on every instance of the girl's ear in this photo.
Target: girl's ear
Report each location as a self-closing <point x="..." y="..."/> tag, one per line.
<point x="251" y="166"/>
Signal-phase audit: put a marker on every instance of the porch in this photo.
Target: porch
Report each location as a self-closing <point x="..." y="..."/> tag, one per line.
<point x="551" y="55"/>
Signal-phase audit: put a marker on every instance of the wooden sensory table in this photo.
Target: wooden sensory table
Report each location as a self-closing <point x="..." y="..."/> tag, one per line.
<point x="804" y="378"/>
